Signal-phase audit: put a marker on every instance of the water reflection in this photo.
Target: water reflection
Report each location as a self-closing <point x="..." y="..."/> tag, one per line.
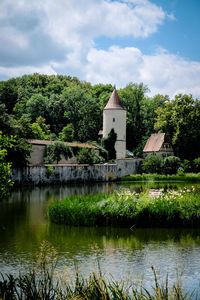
<point x="120" y="251"/>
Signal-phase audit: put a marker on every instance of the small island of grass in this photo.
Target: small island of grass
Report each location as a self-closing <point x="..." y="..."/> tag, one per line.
<point x="129" y="209"/>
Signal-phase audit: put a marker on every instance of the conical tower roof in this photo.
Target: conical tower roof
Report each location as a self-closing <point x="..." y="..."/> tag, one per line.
<point x="114" y="102"/>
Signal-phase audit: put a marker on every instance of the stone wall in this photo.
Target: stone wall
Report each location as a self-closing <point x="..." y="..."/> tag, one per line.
<point x="61" y="174"/>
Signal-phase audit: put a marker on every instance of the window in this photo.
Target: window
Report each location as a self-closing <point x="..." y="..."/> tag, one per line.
<point x="113" y="119"/>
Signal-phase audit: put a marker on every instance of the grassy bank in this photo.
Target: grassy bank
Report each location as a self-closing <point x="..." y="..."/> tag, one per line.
<point x="44" y="282"/>
<point x="157" y="177"/>
<point x="171" y="208"/>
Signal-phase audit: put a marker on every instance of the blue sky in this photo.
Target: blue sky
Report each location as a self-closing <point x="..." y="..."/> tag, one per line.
<point x="156" y="42"/>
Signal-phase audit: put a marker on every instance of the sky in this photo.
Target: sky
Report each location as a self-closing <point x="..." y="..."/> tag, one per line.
<point x="156" y="42"/>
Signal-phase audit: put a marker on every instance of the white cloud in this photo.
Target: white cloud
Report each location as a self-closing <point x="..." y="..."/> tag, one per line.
<point x="58" y="36"/>
<point x="162" y="72"/>
<point x="19" y="71"/>
<point x="43" y="26"/>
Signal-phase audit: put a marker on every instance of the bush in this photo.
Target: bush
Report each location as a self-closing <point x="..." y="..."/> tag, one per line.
<point x="187" y="166"/>
<point x="152" y="163"/>
<point x="196" y="162"/>
<point x="171" y="165"/>
<point x="56" y="151"/>
<point x="89" y="156"/>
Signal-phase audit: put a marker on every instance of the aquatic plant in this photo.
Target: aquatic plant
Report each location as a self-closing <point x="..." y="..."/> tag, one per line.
<point x="126" y="208"/>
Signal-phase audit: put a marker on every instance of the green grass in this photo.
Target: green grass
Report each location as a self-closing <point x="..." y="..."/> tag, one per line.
<point x="125" y="208"/>
<point x="44" y="282"/>
<point x="158" y="177"/>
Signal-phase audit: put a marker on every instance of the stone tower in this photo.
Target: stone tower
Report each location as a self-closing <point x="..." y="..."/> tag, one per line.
<point x="114" y="116"/>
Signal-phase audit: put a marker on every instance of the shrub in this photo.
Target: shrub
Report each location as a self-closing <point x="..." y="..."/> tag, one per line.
<point x="56" y="151"/>
<point x="197" y="164"/>
<point x="152" y="163"/>
<point x="171" y="164"/>
<point x="187" y="166"/>
<point x="89" y="156"/>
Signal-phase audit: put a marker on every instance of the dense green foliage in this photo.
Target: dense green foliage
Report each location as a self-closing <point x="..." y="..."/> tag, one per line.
<point x="109" y="144"/>
<point x="152" y="163"/>
<point x="44" y="281"/>
<point x="89" y="156"/>
<point x="155" y="163"/>
<point x="180" y="120"/>
<point x="5" y="181"/>
<point x="171" y="208"/>
<point x="64" y="108"/>
<point x="56" y="151"/>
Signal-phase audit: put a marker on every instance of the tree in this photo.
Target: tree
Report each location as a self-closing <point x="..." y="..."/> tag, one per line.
<point x="8" y="93"/>
<point x="109" y="144"/>
<point x="132" y="96"/>
<point x="40" y="130"/>
<point x="67" y="134"/>
<point x="180" y="120"/>
<point x="5" y="181"/>
<point x="82" y="111"/>
<point x="36" y="106"/>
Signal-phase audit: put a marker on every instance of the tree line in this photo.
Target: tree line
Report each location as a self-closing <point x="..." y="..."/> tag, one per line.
<point x="59" y="107"/>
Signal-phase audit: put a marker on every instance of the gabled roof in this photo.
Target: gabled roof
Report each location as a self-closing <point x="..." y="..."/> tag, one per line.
<point x="45" y="142"/>
<point x="114" y="101"/>
<point x="155" y="142"/>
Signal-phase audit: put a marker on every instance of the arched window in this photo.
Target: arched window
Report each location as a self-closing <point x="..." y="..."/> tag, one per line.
<point x="113" y="119"/>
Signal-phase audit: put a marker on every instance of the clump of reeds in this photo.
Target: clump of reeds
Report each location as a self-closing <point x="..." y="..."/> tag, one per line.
<point x="125" y="208"/>
<point x="41" y="282"/>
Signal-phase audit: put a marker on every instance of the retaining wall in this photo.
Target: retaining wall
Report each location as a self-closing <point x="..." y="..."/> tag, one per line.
<point x="60" y="174"/>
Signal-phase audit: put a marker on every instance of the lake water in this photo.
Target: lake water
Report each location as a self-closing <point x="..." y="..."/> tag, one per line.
<point x="121" y="252"/>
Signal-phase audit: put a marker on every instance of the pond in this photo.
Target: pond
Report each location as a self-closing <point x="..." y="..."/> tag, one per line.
<point x="121" y="252"/>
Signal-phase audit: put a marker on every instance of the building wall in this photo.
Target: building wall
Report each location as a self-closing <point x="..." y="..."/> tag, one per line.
<point x="116" y="119"/>
<point x="55" y="174"/>
<point x="164" y="153"/>
<point x="37" y="155"/>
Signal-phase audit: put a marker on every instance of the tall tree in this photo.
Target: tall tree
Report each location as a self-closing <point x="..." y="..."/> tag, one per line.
<point x="82" y="111"/>
<point x="132" y="96"/>
<point x="180" y="120"/>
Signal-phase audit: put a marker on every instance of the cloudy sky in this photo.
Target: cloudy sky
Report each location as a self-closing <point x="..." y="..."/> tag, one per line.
<point x="156" y="42"/>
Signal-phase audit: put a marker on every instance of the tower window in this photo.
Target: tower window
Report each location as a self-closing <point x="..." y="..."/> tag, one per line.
<point x="113" y="119"/>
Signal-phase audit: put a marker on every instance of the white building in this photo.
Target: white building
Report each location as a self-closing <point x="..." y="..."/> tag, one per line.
<point x="114" y="116"/>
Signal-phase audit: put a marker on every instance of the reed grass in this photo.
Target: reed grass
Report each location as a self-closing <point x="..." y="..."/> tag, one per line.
<point x="42" y="283"/>
<point x="191" y="177"/>
<point x="125" y="208"/>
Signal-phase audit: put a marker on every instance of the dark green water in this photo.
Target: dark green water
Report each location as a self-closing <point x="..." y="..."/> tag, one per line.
<point x="123" y="253"/>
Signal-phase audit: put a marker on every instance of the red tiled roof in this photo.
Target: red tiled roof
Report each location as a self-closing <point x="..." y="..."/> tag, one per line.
<point x="114" y="101"/>
<point x="155" y="142"/>
<point x="45" y="142"/>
